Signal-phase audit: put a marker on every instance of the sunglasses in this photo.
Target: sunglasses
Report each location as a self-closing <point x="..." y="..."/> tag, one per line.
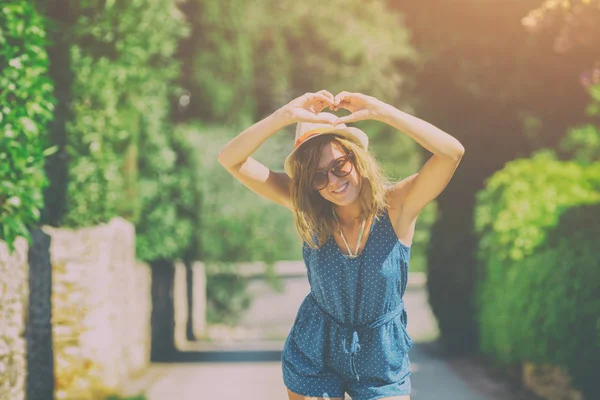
<point x="339" y="167"/>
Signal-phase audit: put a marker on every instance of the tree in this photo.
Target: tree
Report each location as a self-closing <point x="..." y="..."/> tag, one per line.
<point x="501" y="92"/>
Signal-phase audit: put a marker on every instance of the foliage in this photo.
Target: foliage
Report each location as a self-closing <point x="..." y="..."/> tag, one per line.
<point x="492" y="95"/>
<point x="167" y="226"/>
<point x="298" y="51"/>
<point x="538" y="249"/>
<point x="537" y="245"/>
<point x="582" y="143"/>
<point x="243" y="62"/>
<point x="226" y="294"/>
<point x="233" y="224"/>
<point x="26" y="106"/>
<point x="220" y="61"/>
<point x="236" y="225"/>
<point x="522" y="201"/>
<point x="577" y="21"/>
<point x="364" y="53"/>
<point x="116" y="135"/>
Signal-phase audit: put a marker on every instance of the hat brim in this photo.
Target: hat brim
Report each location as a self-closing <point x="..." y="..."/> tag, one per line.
<point x="352" y="133"/>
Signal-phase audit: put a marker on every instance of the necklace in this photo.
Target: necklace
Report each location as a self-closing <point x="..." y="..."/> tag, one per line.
<point x="362" y="229"/>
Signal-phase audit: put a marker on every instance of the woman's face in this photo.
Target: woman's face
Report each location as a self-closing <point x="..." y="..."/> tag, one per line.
<point x="339" y="190"/>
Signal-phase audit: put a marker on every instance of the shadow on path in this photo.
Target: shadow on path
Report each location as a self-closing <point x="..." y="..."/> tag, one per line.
<point x="233" y="356"/>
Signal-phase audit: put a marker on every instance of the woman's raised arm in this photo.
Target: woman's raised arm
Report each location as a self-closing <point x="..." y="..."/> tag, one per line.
<point x="235" y="155"/>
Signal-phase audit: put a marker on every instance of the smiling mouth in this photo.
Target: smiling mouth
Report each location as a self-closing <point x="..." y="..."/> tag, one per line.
<point x="341" y="189"/>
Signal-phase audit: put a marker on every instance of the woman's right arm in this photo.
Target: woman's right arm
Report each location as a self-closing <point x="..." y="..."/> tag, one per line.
<point x="235" y="155"/>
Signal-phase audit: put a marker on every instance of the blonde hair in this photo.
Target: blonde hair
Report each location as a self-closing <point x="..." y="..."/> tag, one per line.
<point x="313" y="213"/>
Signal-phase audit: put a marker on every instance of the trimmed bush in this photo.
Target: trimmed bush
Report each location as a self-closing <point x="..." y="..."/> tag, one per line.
<point x="524" y="199"/>
<point x="537" y="301"/>
<point x="561" y="306"/>
<point x="26" y="105"/>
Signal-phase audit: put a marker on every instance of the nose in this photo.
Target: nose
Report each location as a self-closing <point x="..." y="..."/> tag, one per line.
<point x="333" y="180"/>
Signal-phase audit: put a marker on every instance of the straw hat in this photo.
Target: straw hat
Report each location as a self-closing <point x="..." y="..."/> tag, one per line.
<point x="308" y="130"/>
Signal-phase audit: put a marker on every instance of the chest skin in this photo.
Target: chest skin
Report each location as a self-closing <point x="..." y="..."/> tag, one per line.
<point x="403" y="228"/>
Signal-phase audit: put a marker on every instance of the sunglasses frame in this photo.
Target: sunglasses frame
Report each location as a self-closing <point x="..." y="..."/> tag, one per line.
<point x="350" y="158"/>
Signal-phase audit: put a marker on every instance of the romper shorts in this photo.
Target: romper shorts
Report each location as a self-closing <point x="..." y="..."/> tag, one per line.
<point x="323" y="357"/>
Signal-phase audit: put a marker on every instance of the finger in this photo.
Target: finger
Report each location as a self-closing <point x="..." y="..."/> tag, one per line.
<point x="307" y="116"/>
<point x="311" y="97"/>
<point x="328" y="95"/>
<point x="325" y="104"/>
<point x="344" y="120"/>
<point x="325" y="118"/>
<point x="322" y="102"/>
<point x="345" y="104"/>
<point x="355" y="116"/>
<point x="341" y="96"/>
<point x="318" y="106"/>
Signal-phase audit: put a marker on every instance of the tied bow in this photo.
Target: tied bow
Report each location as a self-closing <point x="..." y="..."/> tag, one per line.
<point x="354" y="349"/>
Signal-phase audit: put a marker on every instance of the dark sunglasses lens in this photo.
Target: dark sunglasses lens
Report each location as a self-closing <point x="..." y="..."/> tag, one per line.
<point x="320" y="180"/>
<point x="342" y="167"/>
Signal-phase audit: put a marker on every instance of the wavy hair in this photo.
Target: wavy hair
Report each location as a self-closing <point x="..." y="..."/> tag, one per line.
<point x="313" y="213"/>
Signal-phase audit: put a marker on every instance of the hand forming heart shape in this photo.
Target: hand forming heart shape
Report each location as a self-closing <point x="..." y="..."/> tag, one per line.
<point x="360" y="106"/>
<point x="309" y="107"/>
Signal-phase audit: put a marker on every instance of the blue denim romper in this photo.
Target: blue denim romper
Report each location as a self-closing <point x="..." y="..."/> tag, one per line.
<point x="350" y="331"/>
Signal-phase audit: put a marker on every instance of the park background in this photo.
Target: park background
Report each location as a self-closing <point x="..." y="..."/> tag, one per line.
<point x="112" y="114"/>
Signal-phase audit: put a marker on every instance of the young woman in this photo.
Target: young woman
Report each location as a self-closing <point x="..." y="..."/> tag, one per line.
<point x="349" y="335"/>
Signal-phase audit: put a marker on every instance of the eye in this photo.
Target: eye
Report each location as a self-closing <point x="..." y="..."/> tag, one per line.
<point x="340" y="162"/>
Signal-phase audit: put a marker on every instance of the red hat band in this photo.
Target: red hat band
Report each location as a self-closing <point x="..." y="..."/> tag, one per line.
<point x="304" y="137"/>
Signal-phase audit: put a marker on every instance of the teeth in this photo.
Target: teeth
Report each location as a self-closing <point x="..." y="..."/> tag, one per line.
<point x="342" y="188"/>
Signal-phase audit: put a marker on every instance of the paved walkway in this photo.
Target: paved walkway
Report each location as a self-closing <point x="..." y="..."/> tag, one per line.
<point x="207" y="372"/>
<point x="432" y="378"/>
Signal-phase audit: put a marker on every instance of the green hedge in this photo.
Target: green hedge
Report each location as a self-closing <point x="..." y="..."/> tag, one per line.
<point x="26" y="105"/>
<point x="523" y="200"/>
<point x="560" y="308"/>
<point x="116" y="134"/>
<point x="168" y="224"/>
<point x="537" y="291"/>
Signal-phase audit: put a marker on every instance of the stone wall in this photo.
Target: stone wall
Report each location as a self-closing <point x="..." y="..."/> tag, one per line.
<point x="100" y="309"/>
<point x="14" y="292"/>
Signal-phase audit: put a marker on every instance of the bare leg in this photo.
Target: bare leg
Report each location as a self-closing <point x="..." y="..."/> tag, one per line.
<point x="294" y="396"/>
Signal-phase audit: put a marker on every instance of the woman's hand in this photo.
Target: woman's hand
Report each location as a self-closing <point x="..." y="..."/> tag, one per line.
<point x="360" y="105"/>
<point x="308" y="107"/>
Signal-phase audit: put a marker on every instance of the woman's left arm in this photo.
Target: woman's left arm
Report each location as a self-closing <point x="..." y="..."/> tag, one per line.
<point x="420" y="189"/>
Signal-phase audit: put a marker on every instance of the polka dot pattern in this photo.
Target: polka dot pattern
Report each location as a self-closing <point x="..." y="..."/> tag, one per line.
<point x="329" y="350"/>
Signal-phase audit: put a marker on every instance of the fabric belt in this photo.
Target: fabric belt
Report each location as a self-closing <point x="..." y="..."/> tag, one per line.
<point x="354" y="329"/>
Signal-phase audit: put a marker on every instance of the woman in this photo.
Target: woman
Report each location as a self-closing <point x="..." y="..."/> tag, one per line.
<point x="350" y="331"/>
